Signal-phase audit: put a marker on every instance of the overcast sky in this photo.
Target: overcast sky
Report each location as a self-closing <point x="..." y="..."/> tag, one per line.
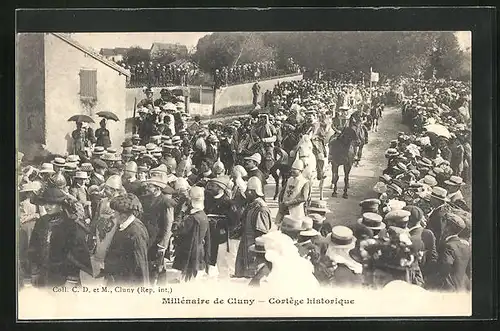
<point x="142" y="39"/>
<point x="190" y="39"/>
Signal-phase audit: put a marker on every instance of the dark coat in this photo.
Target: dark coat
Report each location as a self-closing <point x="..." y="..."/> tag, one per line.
<point x="155" y="216"/>
<point x="454" y="265"/>
<point x="57" y="251"/>
<point x="192" y="251"/>
<point x="94" y="180"/>
<point x="135" y="187"/>
<point x="126" y="260"/>
<point x="345" y="277"/>
<point x="437" y="222"/>
<point x="428" y="261"/>
<point x="103" y="138"/>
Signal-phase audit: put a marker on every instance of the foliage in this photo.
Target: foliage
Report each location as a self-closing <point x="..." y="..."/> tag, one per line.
<point x="390" y="53"/>
<point x="135" y="55"/>
<point x="229" y="48"/>
<point x="168" y="55"/>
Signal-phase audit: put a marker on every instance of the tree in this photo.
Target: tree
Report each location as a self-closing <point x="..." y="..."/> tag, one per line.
<point x="168" y="55"/>
<point x="229" y="48"/>
<point x="391" y="53"/>
<point x="135" y="55"/>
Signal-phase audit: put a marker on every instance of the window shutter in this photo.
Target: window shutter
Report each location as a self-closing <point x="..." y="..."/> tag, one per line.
<point x="88" y="84"/>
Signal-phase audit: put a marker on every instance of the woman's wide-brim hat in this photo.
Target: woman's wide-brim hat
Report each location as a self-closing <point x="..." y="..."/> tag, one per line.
<point x="128" y="203"/>
<point x="51" y="195"/>
<point x="157" y="181"/>
<point x="259" y="246"/>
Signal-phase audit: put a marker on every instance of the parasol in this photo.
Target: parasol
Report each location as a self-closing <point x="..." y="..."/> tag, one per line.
<point x="81" y="118"/>
<point x="438" y="129"/>
<point x="108" y="115"/>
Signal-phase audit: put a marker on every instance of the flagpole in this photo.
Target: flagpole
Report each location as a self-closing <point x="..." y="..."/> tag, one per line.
<point x="370" y="85"/>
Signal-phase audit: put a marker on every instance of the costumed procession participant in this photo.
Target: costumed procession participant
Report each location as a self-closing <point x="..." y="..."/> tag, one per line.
<point x="251" y="164"/>
<point x="158" y="219"/>
<point x="192" y="254"/>
<point x="219" y="208"/>
<point x="256" y="221"/>
<point x="103" y="222"/>
<point x="295" y="194"/>
<point x="126" y="259"/>
<point x="165" y="160"/>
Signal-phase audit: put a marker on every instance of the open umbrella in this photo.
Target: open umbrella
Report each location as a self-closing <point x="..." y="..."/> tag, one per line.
<point x="438" y="129"/>
<point x="108" y="115"/>
<point x="81" y="118"/>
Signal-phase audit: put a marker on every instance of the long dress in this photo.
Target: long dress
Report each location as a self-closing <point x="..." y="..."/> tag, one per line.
<point x="103" y="138"/>
<point x="126" y="260"/>
<point x="256" y="221"/>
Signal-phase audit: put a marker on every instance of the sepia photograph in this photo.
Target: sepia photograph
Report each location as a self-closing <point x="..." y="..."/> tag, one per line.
<point x="243" y="174"/>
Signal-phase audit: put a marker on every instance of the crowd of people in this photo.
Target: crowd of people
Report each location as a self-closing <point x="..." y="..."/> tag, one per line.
<point x="248" y="72"/>
<point x="157" y="74"/>
<point x="190" y="197"/>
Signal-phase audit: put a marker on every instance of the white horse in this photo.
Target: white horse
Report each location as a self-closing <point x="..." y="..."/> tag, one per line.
<point x="304" y="151"/>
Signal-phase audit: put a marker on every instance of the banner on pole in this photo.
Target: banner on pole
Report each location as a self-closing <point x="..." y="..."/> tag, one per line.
<point x="374" y="77"/>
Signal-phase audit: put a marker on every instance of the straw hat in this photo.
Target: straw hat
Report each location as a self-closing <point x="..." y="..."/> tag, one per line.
<point x="317" y="218"/>
<point x="47" y="168"/>
<point x="72" y="159"/>
<point x="318" y="206"/>
<point x="307" y="224"/>
<point x="341" y="237"/>
<point x="439" y="193"/>
<point x="81" y="175"/>
<point x="372" y="221"/>
<point x="292" y="224"/>
<point x="31" y="187"/>
<point x="455" y="181"/>
<point x="59" y="162"/>
<point x="98" y="150"/>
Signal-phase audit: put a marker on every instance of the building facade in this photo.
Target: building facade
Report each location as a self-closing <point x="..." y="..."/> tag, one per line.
<point x="56" y="77"/>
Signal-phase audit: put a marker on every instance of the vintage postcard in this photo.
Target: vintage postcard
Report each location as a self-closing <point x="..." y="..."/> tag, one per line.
<point x="243" y="174"/>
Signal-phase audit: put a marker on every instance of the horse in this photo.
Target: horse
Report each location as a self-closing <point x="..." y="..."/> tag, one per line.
<point x="342" y="151"/>
<point x="375" y="114"/>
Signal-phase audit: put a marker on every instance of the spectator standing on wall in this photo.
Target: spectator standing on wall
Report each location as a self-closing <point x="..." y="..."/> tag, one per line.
<point x="255" y="91"/>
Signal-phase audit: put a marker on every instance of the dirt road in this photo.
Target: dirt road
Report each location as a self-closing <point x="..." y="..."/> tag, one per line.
<point x="362" y="178"/>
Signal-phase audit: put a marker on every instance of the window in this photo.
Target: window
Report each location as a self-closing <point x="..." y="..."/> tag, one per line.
<point x="88" y="84"/>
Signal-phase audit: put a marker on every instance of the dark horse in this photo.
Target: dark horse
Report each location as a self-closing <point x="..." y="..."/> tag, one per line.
<point x="375" y="115"/>
<point x="342" y="151"/>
